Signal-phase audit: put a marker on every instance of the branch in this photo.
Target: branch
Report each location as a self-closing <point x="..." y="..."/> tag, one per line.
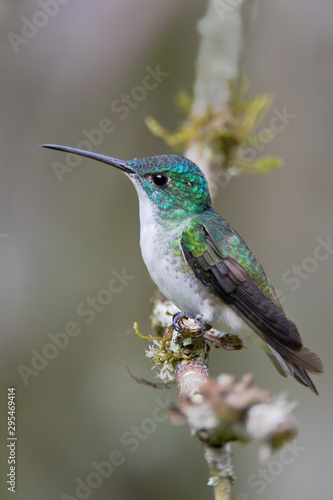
<point x="219" y="412"/>
<point x="222" y="32"/>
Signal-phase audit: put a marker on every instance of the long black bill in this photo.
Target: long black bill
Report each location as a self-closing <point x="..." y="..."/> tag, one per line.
<point x="95" y="156"/>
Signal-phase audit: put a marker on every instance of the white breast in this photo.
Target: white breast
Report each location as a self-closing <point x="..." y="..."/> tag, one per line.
<point x="168" y="271"/>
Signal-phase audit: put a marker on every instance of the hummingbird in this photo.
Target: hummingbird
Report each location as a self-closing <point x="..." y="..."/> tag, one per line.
<point x="202" y="265"/>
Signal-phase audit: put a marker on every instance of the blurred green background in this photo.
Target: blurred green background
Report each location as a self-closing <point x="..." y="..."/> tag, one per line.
<point x="60" y="241"/>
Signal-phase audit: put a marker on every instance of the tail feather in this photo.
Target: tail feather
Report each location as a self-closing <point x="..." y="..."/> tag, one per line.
<point x="297" y="364"/>
<point x="301" y="376"/>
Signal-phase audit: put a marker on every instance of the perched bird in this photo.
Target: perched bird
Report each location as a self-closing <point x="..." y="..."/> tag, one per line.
<point x="202" y="265"/>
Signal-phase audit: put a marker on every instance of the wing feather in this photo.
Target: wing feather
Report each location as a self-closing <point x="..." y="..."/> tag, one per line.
<point x="226" y="278"/>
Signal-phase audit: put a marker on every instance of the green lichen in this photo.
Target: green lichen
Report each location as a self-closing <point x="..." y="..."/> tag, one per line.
<point x="170" y="351"/>
<point x="228" y="134"/>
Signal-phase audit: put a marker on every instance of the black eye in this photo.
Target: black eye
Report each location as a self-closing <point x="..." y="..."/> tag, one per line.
<point x="160" y="180"/>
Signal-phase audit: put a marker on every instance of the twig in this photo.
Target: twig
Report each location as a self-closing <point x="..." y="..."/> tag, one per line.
<point x="156" y="385"/>
<point x="221" y="477"/>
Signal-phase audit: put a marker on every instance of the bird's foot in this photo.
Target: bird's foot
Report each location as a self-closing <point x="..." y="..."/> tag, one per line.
<point x="200" y="325"/>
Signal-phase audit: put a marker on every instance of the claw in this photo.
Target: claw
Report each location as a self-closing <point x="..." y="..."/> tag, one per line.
<point x="176" y="318"/>
<point x="198" y="318"/>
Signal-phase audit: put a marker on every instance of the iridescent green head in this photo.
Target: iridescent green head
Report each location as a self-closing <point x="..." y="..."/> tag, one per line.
<point x="174" y="185"/>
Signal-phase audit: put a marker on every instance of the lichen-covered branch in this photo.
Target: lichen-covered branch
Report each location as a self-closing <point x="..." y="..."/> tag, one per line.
<point x="221" y="411"/>
<point x="221" y="477"/>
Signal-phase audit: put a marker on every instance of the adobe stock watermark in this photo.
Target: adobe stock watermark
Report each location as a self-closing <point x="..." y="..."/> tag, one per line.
<point x="121" y="107"/>
<point x="130" y="442"/>
<point x="86" y="311"/>
<point x="31" y="27"/>
<point x="297" y="274"/>
<point x="275" y="467"/>
<point x="277" y="123"/>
